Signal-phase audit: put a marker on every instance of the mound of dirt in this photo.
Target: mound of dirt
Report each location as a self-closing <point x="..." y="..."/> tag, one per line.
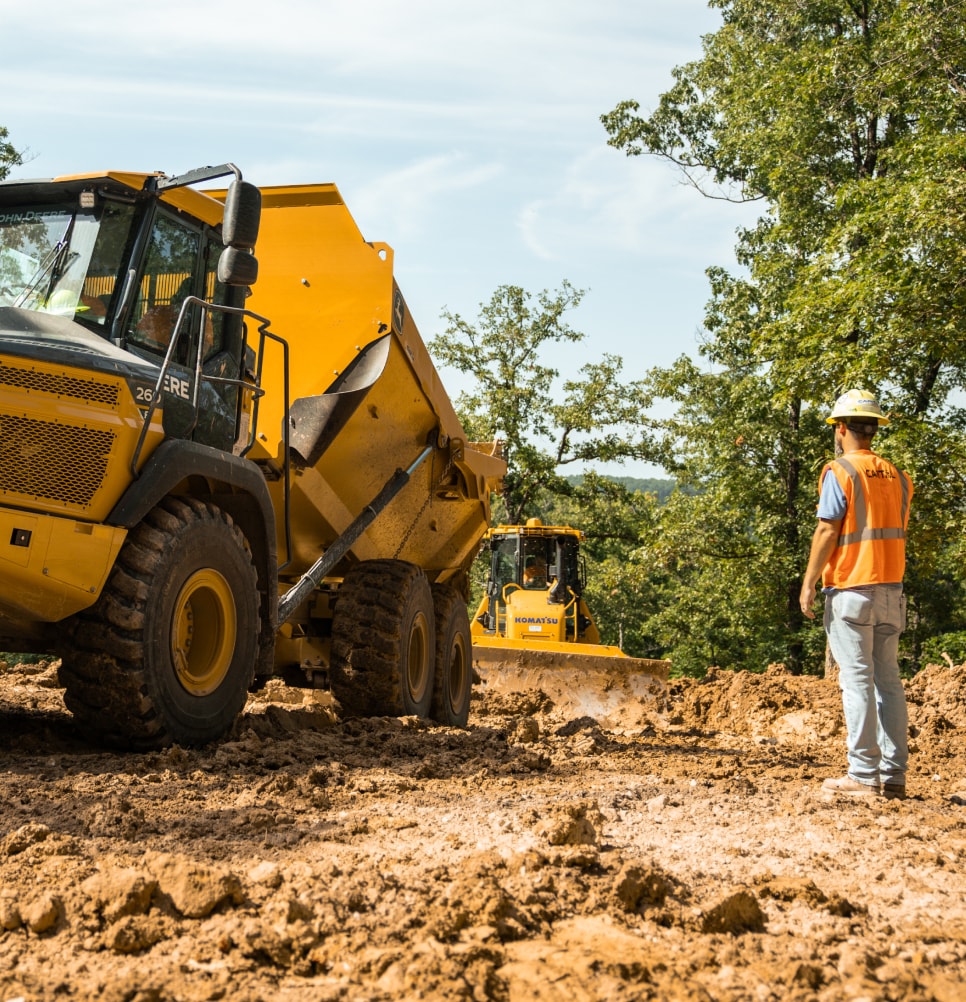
<point x="539" y="854"/>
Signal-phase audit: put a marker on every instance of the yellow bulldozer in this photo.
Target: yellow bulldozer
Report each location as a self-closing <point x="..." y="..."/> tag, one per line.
<point x="533" y="630"/>
<point x="194" y="497"/>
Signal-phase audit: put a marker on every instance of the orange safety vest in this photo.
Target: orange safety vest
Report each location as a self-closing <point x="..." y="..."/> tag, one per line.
<point x="872" y="539"/>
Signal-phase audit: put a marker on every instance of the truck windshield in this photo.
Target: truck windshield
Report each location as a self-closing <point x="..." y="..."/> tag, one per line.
<point x="62" y="260"/>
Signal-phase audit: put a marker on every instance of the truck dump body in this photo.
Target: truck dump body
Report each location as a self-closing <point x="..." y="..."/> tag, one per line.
<point x="365" y="396"/>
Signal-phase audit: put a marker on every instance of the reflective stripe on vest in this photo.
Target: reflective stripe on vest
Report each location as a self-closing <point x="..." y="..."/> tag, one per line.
<point x="862" y="531"/>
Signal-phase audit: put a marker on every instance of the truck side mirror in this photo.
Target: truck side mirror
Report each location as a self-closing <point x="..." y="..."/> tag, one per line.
<point x="237" y="267"/>
<point x="243" y="213"/>
<point x="239" y="230"/>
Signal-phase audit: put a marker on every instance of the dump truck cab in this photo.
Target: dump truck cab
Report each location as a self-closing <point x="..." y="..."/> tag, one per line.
<point x="112" y="267"/>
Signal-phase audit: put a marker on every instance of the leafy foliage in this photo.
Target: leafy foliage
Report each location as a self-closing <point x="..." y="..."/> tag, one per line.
<point x="945" y="648"/>
<point x="661" y="488"/>
<point x="623" y="591"/>
<point x="845" y="120"/>
<point x="546" y="425"/>
<point x="9" y="156"/>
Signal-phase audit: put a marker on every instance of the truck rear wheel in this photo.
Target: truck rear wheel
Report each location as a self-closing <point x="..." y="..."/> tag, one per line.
<point x="453" y="685"/>
<point x="167" y="654"/>
<point x="383" y="641"/>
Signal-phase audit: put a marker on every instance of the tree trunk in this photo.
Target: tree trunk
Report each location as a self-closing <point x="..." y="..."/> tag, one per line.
<point x="793" y="609"/>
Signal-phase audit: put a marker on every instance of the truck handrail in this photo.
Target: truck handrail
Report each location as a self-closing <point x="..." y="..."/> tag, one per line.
<point x="264" y="334"/>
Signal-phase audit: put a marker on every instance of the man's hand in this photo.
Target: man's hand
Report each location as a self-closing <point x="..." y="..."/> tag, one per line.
<point x="824" y="541"/>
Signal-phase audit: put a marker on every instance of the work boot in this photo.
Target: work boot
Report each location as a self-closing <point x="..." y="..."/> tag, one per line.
<point x="893" y="791"/>
<point x="849" y="787"/>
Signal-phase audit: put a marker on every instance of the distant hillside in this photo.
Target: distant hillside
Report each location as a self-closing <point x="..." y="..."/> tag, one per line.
<point x="662" y="488"/>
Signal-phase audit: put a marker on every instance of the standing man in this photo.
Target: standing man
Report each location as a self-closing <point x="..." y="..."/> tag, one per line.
<point x="859" y="551"/>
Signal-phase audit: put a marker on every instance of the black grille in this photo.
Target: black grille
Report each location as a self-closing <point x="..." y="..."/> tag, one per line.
<point x="36" y="381"/>
<point x="52" y="462"/>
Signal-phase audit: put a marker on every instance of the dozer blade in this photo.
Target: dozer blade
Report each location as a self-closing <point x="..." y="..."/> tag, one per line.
<point x="619" y="692"/>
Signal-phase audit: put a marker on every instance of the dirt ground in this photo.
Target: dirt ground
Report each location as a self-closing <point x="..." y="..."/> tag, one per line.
<point x="683" y="853"/>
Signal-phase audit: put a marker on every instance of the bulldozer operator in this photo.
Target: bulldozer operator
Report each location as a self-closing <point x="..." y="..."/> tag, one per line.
<point x="535" y="573"/>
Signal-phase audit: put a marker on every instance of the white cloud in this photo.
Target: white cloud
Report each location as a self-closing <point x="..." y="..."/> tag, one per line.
<point x="606" y="203"/>
<point x="406" y="199"/>
<point x="346" y="71"/>
<point x="345" y="65"/>
<point x="560" y="41"/>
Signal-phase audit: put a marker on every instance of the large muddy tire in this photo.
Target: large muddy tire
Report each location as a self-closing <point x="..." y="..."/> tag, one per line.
<point x="383" y="641"/>
<point x="167" y="654"/>
<point x="454" y="680"/>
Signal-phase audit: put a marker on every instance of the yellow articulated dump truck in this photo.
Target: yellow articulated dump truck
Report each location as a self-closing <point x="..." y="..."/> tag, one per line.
<point x="193" y="496"/>
<point x="533" y="629"/>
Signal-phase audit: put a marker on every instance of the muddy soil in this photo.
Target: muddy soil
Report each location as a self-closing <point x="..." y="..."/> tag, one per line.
<point x="537" y="855"/>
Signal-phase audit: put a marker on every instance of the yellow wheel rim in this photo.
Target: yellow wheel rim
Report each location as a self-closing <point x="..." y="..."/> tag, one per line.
<point x="418" y="662"/>
<point x="205" y="628"/>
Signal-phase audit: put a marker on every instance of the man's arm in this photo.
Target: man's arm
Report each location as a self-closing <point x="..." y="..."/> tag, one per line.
<point x="824" y="541"/>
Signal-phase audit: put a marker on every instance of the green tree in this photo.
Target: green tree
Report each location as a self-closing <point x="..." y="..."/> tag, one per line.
<point x="844" y="119"/>
<point x="547" y="425"/>
<point x="624" y="588"/>
<point x="9" y="156"/>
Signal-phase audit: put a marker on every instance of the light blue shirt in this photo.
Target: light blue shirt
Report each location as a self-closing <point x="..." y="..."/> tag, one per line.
<point x="831" y="502"/>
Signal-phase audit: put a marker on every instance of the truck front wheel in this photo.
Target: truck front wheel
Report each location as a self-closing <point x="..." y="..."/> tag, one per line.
<point x="167" y="654"/>
<point x="383" y="641"/>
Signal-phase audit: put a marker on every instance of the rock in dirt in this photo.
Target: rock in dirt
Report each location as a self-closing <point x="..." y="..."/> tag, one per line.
<point x="195" y="889"/>
<point x="570" y="824"/>
<point x="117" y="892"/>
<point x="24" y="837"/>
<point x="135" y="933"/>
<point x="42" y="913"/>
<point x="639" y="887"/>
<point x="737" y="913"/>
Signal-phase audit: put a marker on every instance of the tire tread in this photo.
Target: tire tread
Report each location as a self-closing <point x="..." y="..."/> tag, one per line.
<point x="103" y="660"/>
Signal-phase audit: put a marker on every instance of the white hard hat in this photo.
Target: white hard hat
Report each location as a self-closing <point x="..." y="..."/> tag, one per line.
<point x="858" y="405"/>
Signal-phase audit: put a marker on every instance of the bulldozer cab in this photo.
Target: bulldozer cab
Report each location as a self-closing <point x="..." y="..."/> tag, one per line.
<point x="535" y="582"/>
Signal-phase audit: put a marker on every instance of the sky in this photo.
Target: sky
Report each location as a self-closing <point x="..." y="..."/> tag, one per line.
<point x="467" y="137"/>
